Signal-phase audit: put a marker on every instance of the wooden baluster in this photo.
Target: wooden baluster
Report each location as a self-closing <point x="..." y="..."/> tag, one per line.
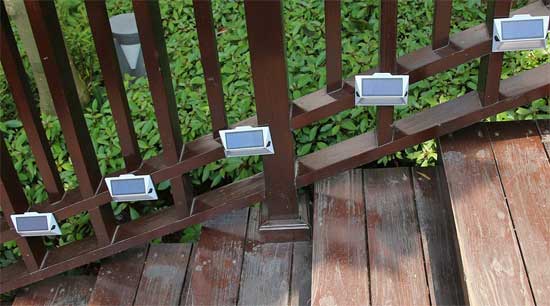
<point x="333" y="29"/>
<point x="441" y="23"/>
<point x="267" y="56"/>
<point x="490" y="67"/>
<point x="51" y="47"/>
<point x="105" y="48"/>
<point x="157" y="65"/>
<point x="210" y="63"/>
<point x="13" y="201"/>
<point x="26" y="108"/>
<point x="387" y="63"/>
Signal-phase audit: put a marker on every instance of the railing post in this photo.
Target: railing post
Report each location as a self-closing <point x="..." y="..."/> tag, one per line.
<point x="387" y="63"/>
<point x="442" y="23"/>
<point x="280" y="209"/>
<point x="490" y="67"/>
<point x="51" y="47"/>
<point x="333" y="41"/>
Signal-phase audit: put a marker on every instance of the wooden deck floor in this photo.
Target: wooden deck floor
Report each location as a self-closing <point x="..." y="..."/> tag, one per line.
<point x="475" y="230"/>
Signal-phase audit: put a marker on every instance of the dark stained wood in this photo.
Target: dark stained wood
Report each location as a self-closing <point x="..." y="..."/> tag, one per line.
<point x="27" y="109"/>
<point x="300" y="287"/>
<point x="210" y="63"/>
<point x="163" y="274"/>
<point x="397" y="274"/>
<point x="266" y="271"/>
<point x="493" y="269"/>
<point x="216" y="269"/>
<point x="544" y="131"/>
<point x="436" y="228"/>
<point x="491" y="64"/>
<point x="333" y="29"/>
<point x="106" y="53"/>
<point x="118" y="279"/>
<point x="340" y="274"/>
<point x="61" y="290"/>
<point x="151" y="35"/>
<point x="441" y="23"/>
<point x="525" y="175"/>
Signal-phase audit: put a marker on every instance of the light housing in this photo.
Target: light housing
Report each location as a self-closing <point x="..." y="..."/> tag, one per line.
<point x="520" y="32"/>
<point x="35" y="224"/>
<point x="247" y="141"/>
<point x="129" y="187"/>
<point x="381" y="89"/>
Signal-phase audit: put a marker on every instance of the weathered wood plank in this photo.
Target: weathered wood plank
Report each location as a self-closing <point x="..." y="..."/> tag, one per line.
<point x="395" y="248"/>
<point x="437" y="227"/>
<point x="491" y="261"/>
<point x="163" y="274"/>
<point x="300" y="287"/>
<point x="544" y="131"/>
<point x="265" y="277"/>
<point x="118" y="279"/>
<point x="340" y="269"/>
<point x="216" y="269"/>
<point x="525" y="175"/>
<point x="60" y="290"/>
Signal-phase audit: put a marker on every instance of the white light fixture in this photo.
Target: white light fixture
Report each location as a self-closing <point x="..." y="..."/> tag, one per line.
<point x="381" y="89"/>
<point x="129" y="187"/>
<point x="521" y="32"/>
<point x="35" y="224"/>
<point x="246" y="141"/>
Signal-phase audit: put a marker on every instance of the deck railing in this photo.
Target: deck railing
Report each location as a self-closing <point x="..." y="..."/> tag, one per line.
<point x="282" y="217"/>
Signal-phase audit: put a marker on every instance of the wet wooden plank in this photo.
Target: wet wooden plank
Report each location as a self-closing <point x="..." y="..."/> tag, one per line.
<point x="216" y="269"/>
<point x="118" y="279"/>
<point x="395" y="248"/>
<point x="525" y="175"/>
<point x="340" y="273"/>
<point x="437" y="227"/>
<point x="163" y="274"/>
<point x="544" y="131"/>
<point x="60" y="290"/>
<point x="491" y="261"/>
<point x="300" y="287"/>
<point x="265" y="277"/>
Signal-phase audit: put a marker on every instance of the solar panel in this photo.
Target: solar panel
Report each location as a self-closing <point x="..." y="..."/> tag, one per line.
<point x="382" y="87"/>
<point x="244" y="139"/>
<point x="35" y="223"/>
<point x="522" y="29"/>
<point x="127" y="186"/>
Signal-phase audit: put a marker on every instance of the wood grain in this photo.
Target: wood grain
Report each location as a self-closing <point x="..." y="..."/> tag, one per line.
<point x="437" y="227"/>
<point x="493" y="269"/>
<point x="216" y="268"/>
<point x="339" y="265"/>
<point x="525" y="175"/>
<point x="395" y="248"/>
<point x="265" y="278"/>
<point x="300" y="287"/>
<point x="163" y="275"/>
<point x="544" y="131"/>
<point x="118" y="279"/>
<point x="59" y="290"/>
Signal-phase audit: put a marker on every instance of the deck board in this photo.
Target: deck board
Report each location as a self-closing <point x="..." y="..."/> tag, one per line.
<point x="525" y="175"/>
<point x="490" y="255"/>
<point x="300" y="287"/>
<point x="59" y="290"/>
<point x="544" y="131"/>
<point x="396" y="259"/>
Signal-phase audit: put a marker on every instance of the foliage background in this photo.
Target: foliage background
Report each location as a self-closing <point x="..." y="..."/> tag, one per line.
<point x="304" y="30"/>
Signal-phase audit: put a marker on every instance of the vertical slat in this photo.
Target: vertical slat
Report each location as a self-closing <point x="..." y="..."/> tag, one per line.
<point x="387" y="63"/>
<point x="105" y="48"/>
<point x="441" y="23"/>
<point x="51" y="47"/>
<point x="26" y="108"/>
<point x="333" y="28"/>
<point x="491" y="65"/>
<point x="210" y="63"/>
<point x="13" y="201"/>
<point x="151" y="35"/>
<point x="267" y="55"/>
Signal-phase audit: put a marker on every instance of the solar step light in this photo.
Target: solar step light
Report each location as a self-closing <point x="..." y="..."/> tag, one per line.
<point x="35" y="224"/>
<point x="381" y="89"/>
<point x="247" y="141"/>
<point x="129" y="187"/>
<point x="521" y="32"/>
